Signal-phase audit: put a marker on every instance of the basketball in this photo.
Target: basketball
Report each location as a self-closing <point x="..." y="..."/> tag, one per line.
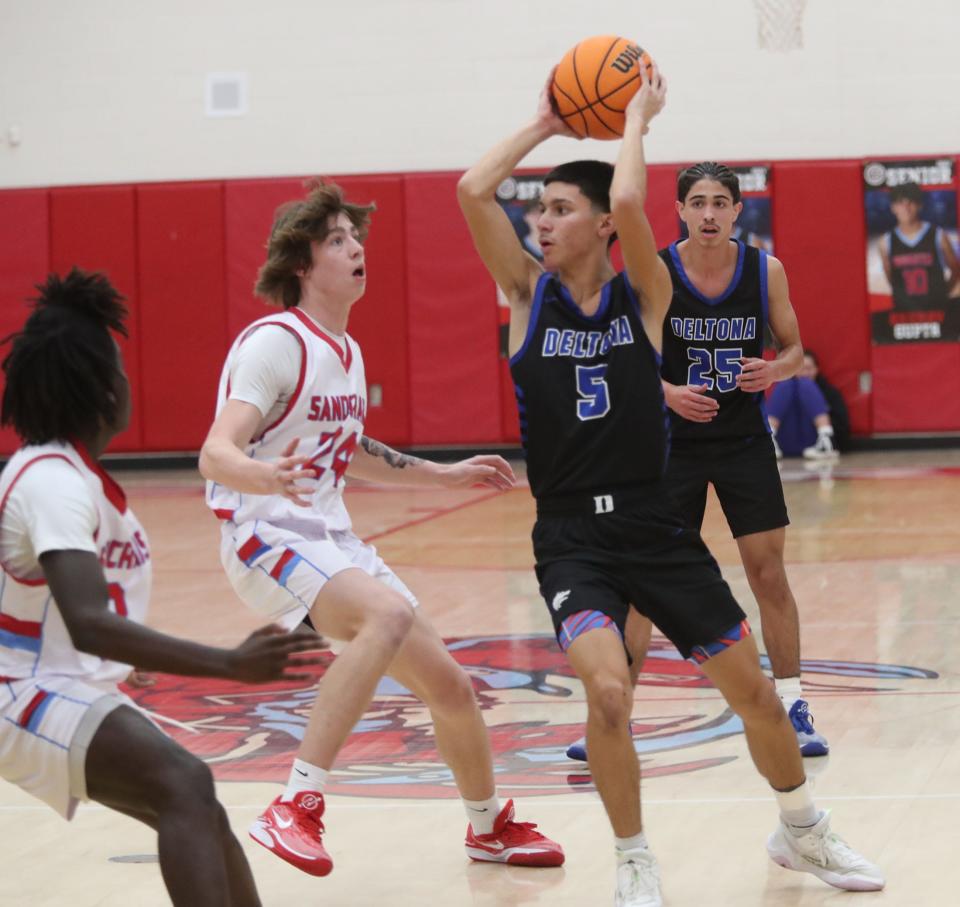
<point x="595" y="81"/>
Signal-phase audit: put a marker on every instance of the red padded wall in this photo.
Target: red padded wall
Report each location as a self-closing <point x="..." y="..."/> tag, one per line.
<point x="453" y="322"/>
<point x="183" y="310"/>
<point x="24" y="262"/>
<point x="819" y="234"/>
<point x="249" y="206"/>
<point x="915" y="387"/>
<point x="380" y="320"/>
<point x="94" y="228"/>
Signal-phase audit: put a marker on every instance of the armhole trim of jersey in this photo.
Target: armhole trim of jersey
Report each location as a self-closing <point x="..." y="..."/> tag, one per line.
<point x="635" y="302"/>
<point x="534" y="316"/>
<point x="764" y="290"/>
<point x="300" y="379"/>
<point x="3" y="506"/>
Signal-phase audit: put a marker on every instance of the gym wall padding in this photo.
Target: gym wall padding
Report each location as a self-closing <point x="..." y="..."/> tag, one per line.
<point x="454" y="365"/>
<point x="380" y="321"/>
<point x="916" y="387"/>
<point x="819" y="234"/>
<point x="180" y="242"/>
<point x="94" y="228"/>
<point x="24" y="262"/>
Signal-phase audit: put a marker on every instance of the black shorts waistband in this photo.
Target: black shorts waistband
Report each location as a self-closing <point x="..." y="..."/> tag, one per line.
<point x="601" y="502"/>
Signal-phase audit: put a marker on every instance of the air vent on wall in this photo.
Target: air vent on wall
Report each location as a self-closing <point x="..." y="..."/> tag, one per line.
<point x="226" y="94"/>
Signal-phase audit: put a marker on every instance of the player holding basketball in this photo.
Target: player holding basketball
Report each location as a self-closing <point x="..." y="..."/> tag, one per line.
<point x="67" y="732"/>
<point x="585" y="343"/>
<point x="289" y="427"/>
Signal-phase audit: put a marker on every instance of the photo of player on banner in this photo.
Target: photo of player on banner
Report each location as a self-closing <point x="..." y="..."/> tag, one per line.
<point x="913" y="274"/>
<point x="754" y="225"/>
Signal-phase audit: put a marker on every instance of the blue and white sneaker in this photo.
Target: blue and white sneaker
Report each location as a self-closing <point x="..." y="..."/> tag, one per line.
<point x="578" y="750"/>
<point x="811" y="743"/>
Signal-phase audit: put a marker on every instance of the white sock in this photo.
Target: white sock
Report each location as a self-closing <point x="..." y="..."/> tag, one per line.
<point x="481" y="814"/>
<point x="797" y="809"/>
<point x="788" y="689"/>
<point x="624" y="845"/>
<point x="825" y="430"/>
<point x="305" y="777"/>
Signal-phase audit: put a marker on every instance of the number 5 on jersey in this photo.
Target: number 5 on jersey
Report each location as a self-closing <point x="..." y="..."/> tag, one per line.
<point x="594" y="402"/>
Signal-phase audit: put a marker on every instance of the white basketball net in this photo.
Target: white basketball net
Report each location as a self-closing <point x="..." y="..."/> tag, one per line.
<point x="780" y="24"/>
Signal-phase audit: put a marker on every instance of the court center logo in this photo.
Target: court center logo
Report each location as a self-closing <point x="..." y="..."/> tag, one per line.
<point x="533" y="707"/>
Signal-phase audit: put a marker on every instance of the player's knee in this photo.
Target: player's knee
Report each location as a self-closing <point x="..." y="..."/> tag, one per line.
<point x="610" y="700"/>
<point x="391" y="619"/>
<point x="767" y="574"/>
<point x="453" y="694"/>
<point x="756" y="702"/>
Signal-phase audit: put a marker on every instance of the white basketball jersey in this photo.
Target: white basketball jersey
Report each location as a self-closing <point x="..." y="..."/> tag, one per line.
<point x="326" y="412"/>
<point x="33" y="637"/>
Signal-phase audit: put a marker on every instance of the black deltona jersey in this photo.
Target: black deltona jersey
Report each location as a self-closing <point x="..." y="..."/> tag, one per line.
<point x="592" y="413"/>
<point x="704" y="340"/>
<point x="916" y="269"/>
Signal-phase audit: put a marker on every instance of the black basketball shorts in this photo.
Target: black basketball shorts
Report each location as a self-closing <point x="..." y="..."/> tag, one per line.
<point x="635" y="552"/>
<point x="744" y="474"/>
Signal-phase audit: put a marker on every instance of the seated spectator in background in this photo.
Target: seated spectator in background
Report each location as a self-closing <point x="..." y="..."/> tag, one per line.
<point x="807" y="414"/>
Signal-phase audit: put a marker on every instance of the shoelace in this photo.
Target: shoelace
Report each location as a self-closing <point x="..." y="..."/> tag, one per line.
<point x="307" y="816"/>
<point x="643" y="877"/>
<point x="800" y="717"/>
<point x="516" y="829"/>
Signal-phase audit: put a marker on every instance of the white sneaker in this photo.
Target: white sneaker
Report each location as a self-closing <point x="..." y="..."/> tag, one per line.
<point x="638" y="880"/>
<point x="823" y="449"/>
<point x="826" y="855"/>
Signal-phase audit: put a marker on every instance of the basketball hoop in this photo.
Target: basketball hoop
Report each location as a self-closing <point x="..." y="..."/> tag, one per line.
<point x="780" y="24"/>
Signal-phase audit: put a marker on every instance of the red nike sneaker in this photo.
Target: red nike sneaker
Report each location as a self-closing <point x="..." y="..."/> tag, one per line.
<point x="517" y="843"/>
<point x="294" y="832"/>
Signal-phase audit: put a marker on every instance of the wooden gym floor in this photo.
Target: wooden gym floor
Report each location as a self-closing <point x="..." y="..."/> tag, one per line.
<point x="874" y="560"/>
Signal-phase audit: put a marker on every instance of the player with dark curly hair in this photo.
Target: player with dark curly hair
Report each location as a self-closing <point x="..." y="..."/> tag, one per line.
<point x="76" y="571"/>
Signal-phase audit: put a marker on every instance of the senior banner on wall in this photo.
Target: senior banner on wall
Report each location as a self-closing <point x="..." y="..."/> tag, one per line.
<point x="912" y="271"/>
<point x="754" y="226"/>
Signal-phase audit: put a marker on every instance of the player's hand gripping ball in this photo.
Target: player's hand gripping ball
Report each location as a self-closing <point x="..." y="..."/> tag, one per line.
<point x="595" y="81"/>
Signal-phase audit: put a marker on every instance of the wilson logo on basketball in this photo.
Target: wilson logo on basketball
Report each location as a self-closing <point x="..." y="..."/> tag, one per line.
<point x="534" y="709"/>
<point x="627" y="57"/>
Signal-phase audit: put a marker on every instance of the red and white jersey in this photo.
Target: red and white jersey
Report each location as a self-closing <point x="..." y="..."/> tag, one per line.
<point x="54" y="497"/>
<point x="326" y="411"/>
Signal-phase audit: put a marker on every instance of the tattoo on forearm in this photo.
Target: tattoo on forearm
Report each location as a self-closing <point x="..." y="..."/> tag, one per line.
<point x="396" y="459"/>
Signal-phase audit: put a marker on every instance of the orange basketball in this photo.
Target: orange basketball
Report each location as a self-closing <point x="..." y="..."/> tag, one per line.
<point x="594" y="83"/>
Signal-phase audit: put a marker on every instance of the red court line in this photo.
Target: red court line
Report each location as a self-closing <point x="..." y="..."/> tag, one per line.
<point x="432" y="516"/>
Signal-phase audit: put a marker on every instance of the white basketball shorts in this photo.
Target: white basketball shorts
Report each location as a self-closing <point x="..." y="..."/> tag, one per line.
<point x="278" y="571"/>
<point x="46" y="726"/>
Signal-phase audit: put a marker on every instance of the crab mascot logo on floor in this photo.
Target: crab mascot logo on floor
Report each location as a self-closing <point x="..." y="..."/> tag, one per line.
<point x="533" y="706"/>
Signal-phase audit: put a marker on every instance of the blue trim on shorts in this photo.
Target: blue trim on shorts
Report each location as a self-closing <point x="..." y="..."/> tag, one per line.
<point x="574" y="626"/>
<point x="700" y="654"/>
<point x="289" y="568"/>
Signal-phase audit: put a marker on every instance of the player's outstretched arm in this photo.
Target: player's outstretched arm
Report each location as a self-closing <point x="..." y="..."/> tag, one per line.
<point x="223" y="460"/>
<point x="80" y="590"/>
<point x="758" y="374"/>
<point x="513" y="270"/>
<point x="648" y="275"/>
<point x="375" y="462"/>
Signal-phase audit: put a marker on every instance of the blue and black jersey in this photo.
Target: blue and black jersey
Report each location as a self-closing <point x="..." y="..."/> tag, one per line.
<point x="592" y="414"/>
<point x="704" y="340"/>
